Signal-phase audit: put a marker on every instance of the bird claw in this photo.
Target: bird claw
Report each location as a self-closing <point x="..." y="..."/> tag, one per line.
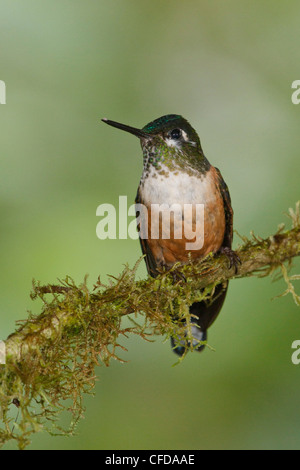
<point x="177" y="276"/>
<point x="234" y="259"/>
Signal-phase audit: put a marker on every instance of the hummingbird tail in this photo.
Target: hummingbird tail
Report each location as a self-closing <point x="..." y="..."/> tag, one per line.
<point x="180" y="347"/>
<point x="203" y="314"/>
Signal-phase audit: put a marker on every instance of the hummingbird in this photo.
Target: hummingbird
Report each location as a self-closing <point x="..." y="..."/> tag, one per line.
<point x="176" y="171"/>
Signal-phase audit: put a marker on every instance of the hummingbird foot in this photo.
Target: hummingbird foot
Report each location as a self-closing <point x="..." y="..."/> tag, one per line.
<point x="177" y="276"/>
<point x="233" y="257"/>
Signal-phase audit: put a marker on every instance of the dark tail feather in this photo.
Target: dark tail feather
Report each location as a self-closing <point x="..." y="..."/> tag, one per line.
<point x="203" y="315"/>
<point x="198" y="335"/>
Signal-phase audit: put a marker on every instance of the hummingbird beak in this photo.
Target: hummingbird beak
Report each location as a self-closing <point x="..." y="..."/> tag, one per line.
<point x="132" y="130"/>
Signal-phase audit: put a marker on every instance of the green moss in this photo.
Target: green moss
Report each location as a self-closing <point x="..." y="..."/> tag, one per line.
<point x="51" y="358"/>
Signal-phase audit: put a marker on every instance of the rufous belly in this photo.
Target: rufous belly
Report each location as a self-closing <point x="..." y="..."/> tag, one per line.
<point x="195" y="230"/>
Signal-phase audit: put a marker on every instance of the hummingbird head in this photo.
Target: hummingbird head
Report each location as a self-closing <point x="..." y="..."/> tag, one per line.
<point x="175" y="131"/>
<point x="169" y="139"/>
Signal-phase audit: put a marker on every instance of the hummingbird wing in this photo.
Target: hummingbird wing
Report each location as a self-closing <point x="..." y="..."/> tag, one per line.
<point x="149" y="258"/>
<point x="227" y="242"/>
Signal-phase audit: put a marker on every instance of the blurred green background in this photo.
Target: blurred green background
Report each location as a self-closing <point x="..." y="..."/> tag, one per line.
<point x="228" y="68"/>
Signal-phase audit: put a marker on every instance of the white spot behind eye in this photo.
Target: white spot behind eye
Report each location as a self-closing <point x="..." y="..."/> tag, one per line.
<point x="184" y="135"/>
<point x="176" y="143"/>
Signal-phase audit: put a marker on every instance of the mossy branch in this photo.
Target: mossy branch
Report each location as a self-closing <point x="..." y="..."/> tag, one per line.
<point x="51" y="357"/>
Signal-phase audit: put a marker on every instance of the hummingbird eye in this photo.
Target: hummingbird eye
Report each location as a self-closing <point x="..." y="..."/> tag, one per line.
<point x="175" y="134"/>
